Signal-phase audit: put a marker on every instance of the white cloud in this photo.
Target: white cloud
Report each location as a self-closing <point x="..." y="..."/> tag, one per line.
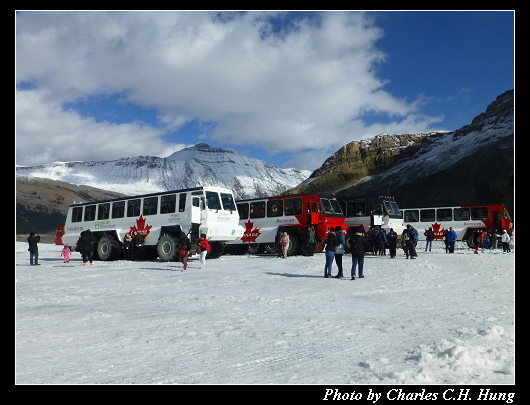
<point x="46" y="133"/>
<point x="303" y="87"/>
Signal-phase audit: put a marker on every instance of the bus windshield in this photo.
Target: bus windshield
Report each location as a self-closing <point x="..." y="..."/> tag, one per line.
<point x="331" y="206"/>
<point x="228" y="202"/>
<point x="391" y="208"/>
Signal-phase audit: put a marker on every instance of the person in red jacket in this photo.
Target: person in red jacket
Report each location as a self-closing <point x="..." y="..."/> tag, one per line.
<point x="203" y="249"/>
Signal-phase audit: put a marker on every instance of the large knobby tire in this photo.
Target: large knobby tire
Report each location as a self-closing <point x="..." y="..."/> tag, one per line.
<point x="108" y="248"/>
<point x="167" y="248"/>
<point x="294" y="246"/>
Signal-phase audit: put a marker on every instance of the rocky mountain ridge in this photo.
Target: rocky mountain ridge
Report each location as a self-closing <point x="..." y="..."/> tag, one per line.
<point x="472" y="165"/>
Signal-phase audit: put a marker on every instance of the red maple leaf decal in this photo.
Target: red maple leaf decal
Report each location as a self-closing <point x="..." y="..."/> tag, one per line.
<point x="438" y="234"/>
<point x="141" y="228"/>
<point x="250" y="234"/>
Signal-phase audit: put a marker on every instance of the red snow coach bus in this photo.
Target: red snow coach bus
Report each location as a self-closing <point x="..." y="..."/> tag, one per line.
<point x="264" y="218"/>
<point x="465" y="220"/>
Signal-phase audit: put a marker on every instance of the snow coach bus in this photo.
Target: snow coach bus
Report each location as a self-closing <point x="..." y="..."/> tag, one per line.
<point x="264" y="218"/>
<point x="362" y="213"/>
<point x="465" y="220"/>
<point x="158" y="218"/>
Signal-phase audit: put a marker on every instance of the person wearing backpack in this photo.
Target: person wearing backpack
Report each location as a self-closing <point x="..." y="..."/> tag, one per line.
<point x="184" y="250"/>
<point x="410" y="241"/>
<point x="358" y="244"/>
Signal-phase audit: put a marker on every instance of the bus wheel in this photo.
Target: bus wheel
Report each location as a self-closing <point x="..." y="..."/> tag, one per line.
<point x="108" y="248"/>
<point x="167" y="248"/>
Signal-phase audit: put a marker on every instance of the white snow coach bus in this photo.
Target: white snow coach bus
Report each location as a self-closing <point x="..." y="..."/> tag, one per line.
<point x="465" y="220"/>
<point x="363" y="213"/>
<point x="158" y="218"/>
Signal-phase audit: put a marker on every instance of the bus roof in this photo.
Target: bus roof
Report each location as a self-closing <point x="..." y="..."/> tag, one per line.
<point x="185" y="190"/>
<point x="325" y="195"/>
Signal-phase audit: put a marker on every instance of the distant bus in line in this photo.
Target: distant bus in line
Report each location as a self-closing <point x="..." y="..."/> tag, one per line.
<point x="465" y="220"/>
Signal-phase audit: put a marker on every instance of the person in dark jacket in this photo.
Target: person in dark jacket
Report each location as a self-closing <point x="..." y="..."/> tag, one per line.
<point x="310" y="241"/>
<point x="137" y="241"/>
<point x="429" y="237"/>
<point x="392" y="242"/>
<point x="85" y="245"/>
<point x="331" y="244"/>
<point x="410" y="242"/>
<point x="184" y="250"/>
<point x="33" y="249"/>
<point x="339" y="250"/>
<point x="358" y="244"/>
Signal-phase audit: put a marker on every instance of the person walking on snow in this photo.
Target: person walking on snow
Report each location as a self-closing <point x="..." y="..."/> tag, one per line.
<point x="66" y="252"/>
<point x="202" y="250"/>
<point x="184" y="250"/>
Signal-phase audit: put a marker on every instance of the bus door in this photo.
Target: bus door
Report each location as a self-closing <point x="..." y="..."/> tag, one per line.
<point x="195" y="210"/>
<point x="497" y="221"/>
<point x="313" y="213"/>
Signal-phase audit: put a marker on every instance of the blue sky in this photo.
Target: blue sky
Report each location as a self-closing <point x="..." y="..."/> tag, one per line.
<point x="289" y="88"/>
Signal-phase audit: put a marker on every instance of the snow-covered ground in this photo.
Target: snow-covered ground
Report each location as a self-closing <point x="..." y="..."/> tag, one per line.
<point x="260" y="319"/>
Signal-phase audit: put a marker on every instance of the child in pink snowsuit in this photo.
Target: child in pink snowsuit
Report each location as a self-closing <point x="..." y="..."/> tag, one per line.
<point x="66" y="253"/>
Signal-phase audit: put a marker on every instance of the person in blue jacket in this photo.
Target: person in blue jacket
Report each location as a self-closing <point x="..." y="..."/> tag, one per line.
<point x="451" y="239"/>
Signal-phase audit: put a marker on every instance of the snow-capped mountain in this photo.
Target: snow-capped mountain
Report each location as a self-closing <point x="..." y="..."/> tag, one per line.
<point x="194" y="166"/>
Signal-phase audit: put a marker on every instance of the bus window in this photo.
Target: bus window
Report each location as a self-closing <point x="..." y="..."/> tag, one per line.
<point x="444" y="214"/>
<point x="150" y="205"/>
<point x="212" y="200"/>
<point x="326" y="205"/>
<point x="243" y="210"/>
<point x="479" y="213"/>
<point x="335" y="206"/>
<point x="182" y="201"/>
<point x="411" y="216"/>
<point x="90" y="213"/>
<point x="427" y="215"/>
<point x="168" y="204"/>
<point x="103" y="211"/>
<point x="462" y="214"/>
<point x="359" y="208"/>
<point x="257" y="209"/>
<point x="118" y="209"/>
<point x="228" y="202"/>
<point x="293" y="206"/>
<point x="77" y="214"/>
<point x="275" y="208"/>
<point x="133" y="207"/>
